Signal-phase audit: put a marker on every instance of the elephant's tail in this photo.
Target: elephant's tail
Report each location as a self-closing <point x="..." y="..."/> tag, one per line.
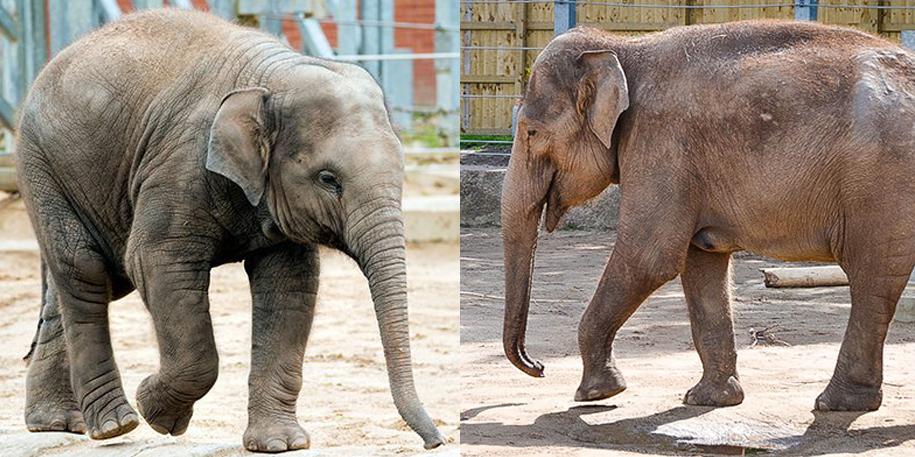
<point x="44" y="296"/>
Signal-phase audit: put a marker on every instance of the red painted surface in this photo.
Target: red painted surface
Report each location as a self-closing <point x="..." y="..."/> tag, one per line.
<point x="418" y="11"/>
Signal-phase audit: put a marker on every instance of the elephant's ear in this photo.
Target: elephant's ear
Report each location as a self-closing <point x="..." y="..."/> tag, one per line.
<point x="603" y="93"/>
<point x="239" y="145"/>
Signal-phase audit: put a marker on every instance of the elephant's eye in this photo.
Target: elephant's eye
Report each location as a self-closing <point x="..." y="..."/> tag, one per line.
<point x="531" y="133"/>
<point x="330" y="182"/>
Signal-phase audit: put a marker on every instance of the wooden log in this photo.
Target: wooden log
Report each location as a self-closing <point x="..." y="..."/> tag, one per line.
<point x="830" y="275"/>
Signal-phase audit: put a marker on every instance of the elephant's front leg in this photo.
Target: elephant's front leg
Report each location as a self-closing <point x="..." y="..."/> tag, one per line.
<point x="284" y="284"/>
<point x="705" y="283"/>
<point x="174" y="289"/>
<point x="627" y="281"/>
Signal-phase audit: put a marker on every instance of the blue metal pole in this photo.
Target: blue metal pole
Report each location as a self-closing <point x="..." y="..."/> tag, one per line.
<point x="563" y="15"/>
<point x="805" y="10"/>
<point x="908" y="41"/>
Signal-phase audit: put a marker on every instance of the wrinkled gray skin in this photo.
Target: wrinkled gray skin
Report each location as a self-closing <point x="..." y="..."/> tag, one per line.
<point x="171" y="142"/>
<point x="791" y="140"/>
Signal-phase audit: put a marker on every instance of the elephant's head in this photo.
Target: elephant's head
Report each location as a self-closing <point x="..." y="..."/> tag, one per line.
<point x="564" y="153"/>
<point x="317" y="149"/>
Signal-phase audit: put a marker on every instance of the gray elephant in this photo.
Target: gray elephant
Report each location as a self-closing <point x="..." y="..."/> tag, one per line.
<point x="791" y="140"/>
<point x="171" y="142"/>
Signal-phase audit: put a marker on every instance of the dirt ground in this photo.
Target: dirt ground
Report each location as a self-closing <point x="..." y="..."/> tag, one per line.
<point x="505" y="412"/>
<point x="345" y="404"/>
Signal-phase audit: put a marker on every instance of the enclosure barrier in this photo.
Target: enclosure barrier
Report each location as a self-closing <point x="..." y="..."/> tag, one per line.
<point x="501" y="39"/>
<point x="32" y="31"/>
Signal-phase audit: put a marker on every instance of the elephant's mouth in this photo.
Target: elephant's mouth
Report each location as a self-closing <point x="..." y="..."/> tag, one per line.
<point x="554" y="209"/>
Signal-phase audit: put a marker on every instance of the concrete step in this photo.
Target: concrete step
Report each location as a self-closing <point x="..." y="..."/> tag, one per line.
<point x="432" y="218"/>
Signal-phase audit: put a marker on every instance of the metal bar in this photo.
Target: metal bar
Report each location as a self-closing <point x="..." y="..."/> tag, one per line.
<point x="8" y="25"/>
<point x="805" y="10"/>
<point x="394" y="24"/>
<point x="145" y="4"/>
<point x="112" y="12"/>
<point x="908" y="39"/>
<point x="224" y="8"/>
<point x="314" y="42"/>
<point x="70" y="19"/>
<point x="349" y="31"/>
<point x="7" y="115"/>
<point x="418" y="56"/>
<point x="371" y="37"/>
<point x="448" y="72"/>
<point x="502" y="48"/>
<point x="563" y="16"/>
<point x="272" y="21"/>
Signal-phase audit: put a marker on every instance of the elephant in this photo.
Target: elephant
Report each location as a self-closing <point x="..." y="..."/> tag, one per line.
<point x="790" y="140"/>
<point x="170" y="142"/>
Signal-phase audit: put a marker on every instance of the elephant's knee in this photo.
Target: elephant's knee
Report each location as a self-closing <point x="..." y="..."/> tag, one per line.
<point x="197" y="378"/>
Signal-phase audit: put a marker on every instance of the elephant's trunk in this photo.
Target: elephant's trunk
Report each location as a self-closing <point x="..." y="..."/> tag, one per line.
<point x="524" y="194"/>
<point x="380" y="251"/>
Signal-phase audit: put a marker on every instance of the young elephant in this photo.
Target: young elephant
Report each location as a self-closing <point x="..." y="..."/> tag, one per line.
<point x="791" y="140"/>
<point x="168" y="143"/>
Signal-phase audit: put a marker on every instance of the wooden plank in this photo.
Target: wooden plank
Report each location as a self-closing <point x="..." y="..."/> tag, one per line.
<point x="488" y="79"/>
<point x="469" y="25"/>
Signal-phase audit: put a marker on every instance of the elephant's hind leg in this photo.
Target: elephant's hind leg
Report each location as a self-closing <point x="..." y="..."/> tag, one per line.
<point x="706" y="285"/>
<point x="284" y="284"/>
<point x="50" y="405"/>
<point x="81" y="280"/>
<point x="877" y="275"/>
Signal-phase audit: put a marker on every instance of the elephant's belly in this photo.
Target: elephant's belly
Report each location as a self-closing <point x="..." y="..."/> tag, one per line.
<point x="782" y="246"/>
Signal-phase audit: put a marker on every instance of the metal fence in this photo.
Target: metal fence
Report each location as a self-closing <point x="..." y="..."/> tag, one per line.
<point x="501" y="39"/>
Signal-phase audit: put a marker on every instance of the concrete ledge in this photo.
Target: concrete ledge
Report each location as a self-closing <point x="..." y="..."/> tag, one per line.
<point x="432" y="218"/>
<point x="481" y="193"/>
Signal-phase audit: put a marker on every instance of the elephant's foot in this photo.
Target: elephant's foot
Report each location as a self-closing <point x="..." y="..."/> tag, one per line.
<point x="268" y="434"/>
<point x="604" y="384"/>
<point x="849" y="398"/>
<point x="52" y="415"/>
<point x="161" y="409"/>
<point x="715" y="393"/>
<point x="110" y="416"/>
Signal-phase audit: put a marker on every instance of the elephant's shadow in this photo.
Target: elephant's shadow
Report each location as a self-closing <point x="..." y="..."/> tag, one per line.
<point x="827" y="434"/>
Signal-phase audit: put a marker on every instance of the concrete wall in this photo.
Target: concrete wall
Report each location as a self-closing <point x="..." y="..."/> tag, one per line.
<point x="481" y="191"/>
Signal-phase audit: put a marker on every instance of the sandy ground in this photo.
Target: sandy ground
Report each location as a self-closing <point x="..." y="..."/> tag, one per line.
<point x="505" y="412"/>
<point x="345" y="404"/>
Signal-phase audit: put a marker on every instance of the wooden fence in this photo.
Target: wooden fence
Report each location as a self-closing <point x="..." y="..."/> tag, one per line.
<point x="500" y="40"/>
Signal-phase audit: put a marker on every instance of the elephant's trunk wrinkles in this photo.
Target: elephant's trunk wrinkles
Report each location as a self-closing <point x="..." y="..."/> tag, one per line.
<point x="524" y="194"/>
<point x="380" y="251"/>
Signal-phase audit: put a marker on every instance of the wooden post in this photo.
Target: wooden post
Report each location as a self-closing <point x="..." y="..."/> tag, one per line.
<point x="563" y="16"/>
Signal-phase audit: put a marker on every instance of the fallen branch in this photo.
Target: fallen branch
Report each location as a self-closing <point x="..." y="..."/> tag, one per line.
<point x="766" y="337"/>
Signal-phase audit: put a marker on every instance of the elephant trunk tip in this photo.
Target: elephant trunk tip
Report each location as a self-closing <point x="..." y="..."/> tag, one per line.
<point x="517" y="355"/>
<point x="433" y="441"/>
